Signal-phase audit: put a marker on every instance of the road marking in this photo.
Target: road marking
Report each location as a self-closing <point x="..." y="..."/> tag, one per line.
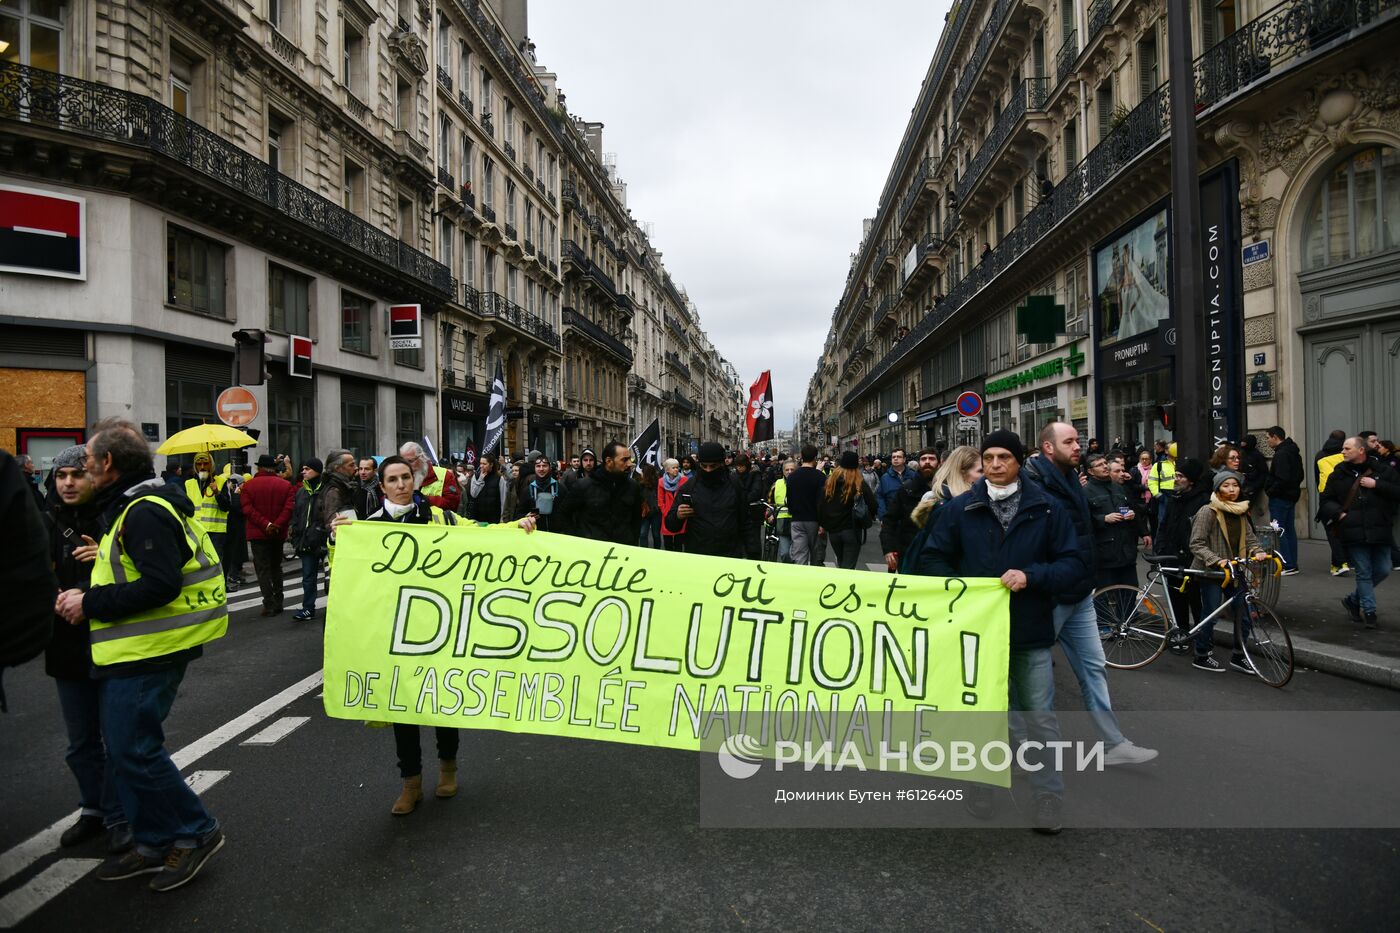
<point x="877" y="567"/>
<point x="44" y="887"/>
<point x="278" y="731"/>
<point x="54" y="880"/>
<point x="45" y="841"/>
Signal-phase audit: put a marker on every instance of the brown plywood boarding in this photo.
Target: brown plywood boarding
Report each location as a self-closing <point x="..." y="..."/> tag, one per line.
<point x="40" y="398"/>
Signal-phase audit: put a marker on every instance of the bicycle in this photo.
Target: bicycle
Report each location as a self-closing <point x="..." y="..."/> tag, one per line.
<point x="770" y="531"/>
<point x="1136" y="626"/>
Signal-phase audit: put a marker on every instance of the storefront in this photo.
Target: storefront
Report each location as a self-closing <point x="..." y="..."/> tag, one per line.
<point x="463" y="424"/>
<point x="1037" y="391"/>
<point x="546" y="431"/>
<point x="45" y="391"/>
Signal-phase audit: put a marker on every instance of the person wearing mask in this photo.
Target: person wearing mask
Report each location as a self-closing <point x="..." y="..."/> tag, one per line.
<point x="208" y="493"/>
<point x="1255" y="470"/>
<point x="804" y="491"/>
<point x="539" y="500"/>
<point x="439" y="486"/>
<point x="74" y="529"/>
<point x="309" y="533"/>
<point x="1358" y="509"/>
<point x="668" y="486"/>
<point x="898" y="530"/>
<point x="752" y="489"/>
<point x="267" y="500"/>
<point x="1173" y="539"/>
<point x="1056" y="471"/>
<point x="1324" y="463"/>
<point x="895" y="477"/>
<point x="846" y="509"/>
<point x="154" y="561"/>
<point x="1115" y="524"/>
<point x="1010" y="529"/>
<point x="1284" y="487"/>
<point x="606" y="504"/>
<point x="368" y="500"/>
<point x="405" y="506"/>
<point x="651" y="516"/>
<point x="1220" y="532"/>
<point x="712" y="509"/>
<point x="488" y="493"/>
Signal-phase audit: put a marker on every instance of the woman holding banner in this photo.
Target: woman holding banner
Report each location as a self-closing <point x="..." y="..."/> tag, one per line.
<point x="403" y="505"/>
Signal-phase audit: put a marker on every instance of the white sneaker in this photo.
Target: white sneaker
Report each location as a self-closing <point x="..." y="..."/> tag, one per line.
<point x="1126" y="753"/>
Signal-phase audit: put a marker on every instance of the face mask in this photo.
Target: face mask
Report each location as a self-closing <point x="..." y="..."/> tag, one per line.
<point x="203" y="474"/>
<point x="712" y="477"/>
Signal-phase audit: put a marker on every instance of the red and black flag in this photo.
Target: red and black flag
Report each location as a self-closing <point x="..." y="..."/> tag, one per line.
<point x="759" y="416"/>
<point x="41" y="233"/>
<point x="299" y="357"/>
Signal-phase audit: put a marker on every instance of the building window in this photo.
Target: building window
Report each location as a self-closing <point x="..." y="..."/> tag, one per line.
<point x="1356" y="211"/>
<point x="488" y="182"/>
<point x="486" y="96"/>
<point x="1071" y="145"/>
<point x="464" y="69"/>
<point x="510" y="202"/>
<point x="357" y="416"/>
<point x="274" y="13"/>
<point x="406" y="219"/>
<point x="352" y="189"/>
<point x="411" y="358"/>
<point x="31" y="34"/>
<point x="355" y="315"/>
<point x="446" y="243"/>
<point x="469" y="262"/>
<point x="279" y="143"/>
<point x="509" y="136"/>
<point x="408" y="416"/>
<point x="464" y="145"/>
<point x="194" y="272"/>
<point x="1103" y="106"/>
<point x="182" y="72"/>
<point x="352" y="66"/>
<point x="444" y="141"/>
<point x="510" y="284"/>
<point x="444" y="37"/>
<point x="291" y="418"/>
<point x="488" y="271"/>
<point x="403" y="106"/>
<point x="289" y="301"/>
<point x="1149" y="72"/>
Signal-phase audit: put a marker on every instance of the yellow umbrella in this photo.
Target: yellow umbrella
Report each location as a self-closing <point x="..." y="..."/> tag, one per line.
<point x="206" y="437"/>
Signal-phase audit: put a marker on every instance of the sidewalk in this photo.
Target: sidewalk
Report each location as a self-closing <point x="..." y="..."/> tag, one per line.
<point x="1323" y="637"/>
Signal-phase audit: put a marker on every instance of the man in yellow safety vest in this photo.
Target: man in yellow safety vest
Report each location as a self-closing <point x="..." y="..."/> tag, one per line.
<point x="1161" y="480"/>
<point x="156" y="597"/>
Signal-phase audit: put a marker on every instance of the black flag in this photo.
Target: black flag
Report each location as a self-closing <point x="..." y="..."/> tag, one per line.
<point x="647" y="447"/>
<point x="495" y="412"/>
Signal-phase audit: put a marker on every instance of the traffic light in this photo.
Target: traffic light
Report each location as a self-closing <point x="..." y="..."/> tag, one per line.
<point x="249" y="359"/>
<point x="1166" y="414"/>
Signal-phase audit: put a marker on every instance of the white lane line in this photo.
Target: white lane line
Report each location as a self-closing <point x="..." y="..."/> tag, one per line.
<point x="42" y="888"/>
<point x="278" y="731"/>
<point x="874" y="567"/>
<point x="26" y="853"/>
<point x="54" y="880"/>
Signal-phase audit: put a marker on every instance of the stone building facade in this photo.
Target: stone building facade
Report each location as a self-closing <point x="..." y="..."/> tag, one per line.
<point x="1036" y="164"/>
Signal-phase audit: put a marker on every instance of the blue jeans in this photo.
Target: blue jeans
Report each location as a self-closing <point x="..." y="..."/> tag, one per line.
<point x="1031" y="678"/>
<point x="87" y="756"/>
<point x="651" y="528"/>
<point x="1211" y="598"/>
<point x="1077" y="629"/>
<point x="1370" y="564"/>
<point x="1282" y="512"/>
<point x="160" y="807"/>
<point x="310" y="568"/>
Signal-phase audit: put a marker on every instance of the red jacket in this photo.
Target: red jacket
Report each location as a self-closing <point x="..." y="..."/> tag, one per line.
<point x="663" y="502"/>
<point x="267" y="500"/>
<point x="441" y="489"/>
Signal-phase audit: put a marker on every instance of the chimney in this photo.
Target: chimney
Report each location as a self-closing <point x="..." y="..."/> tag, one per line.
<point x="514" y="16"/>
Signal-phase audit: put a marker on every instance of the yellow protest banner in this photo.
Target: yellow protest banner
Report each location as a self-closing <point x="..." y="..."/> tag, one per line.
<point x="491" y="628"/>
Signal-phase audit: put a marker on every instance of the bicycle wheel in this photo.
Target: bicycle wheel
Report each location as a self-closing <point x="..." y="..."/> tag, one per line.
<point x="1267" y="646"/>
<point x="1132" y="624"/>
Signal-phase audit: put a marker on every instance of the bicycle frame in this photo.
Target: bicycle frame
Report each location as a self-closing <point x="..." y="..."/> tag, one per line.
<point x="1158" y="575"/>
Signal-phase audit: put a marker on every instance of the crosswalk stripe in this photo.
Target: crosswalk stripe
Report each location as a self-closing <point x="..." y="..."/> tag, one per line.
<point x="278" y="731"/>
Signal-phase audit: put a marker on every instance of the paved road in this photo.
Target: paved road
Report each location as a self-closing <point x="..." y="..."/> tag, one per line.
<point x="558" y="834"/>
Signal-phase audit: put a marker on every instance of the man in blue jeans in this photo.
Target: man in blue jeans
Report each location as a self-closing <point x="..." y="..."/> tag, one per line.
<point x="156" y="597"/>
<point x="1359" y="506"/>
<point x="308" y="535"/>
<point x="1285" y="486"/>
<point x="1010" y="529"/>
<point x="1076" y="622"/>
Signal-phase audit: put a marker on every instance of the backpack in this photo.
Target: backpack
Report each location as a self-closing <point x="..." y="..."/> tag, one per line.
<point x="860" y="513"/>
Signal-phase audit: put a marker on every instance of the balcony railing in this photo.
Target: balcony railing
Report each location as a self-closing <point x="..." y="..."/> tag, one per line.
<point x="986" y="39"/>
<point x="529" y="247"/>
<point x="595" y="333"/>
<point x="1029" y="95"/>
<point x="677" y="330"/>
<point x="509" y="148"/>
<point x="916" y="187"/>
<point x="465" y="100"/>
<point x="1293" y="30"/>
<point x="486" y="123"/>
<point x="490" y="304"/>
<point x="444" y="79"/>
<point x="511" y="232"/>
<point x="1066" y="57"/>
<point x="574" y="253"/>
<point x="1100" y="12"/>
<point x="673" y="359"/>
<point x="675" y="397"/>
<point x="445" y="179"/>
<point x="89" y="109"/>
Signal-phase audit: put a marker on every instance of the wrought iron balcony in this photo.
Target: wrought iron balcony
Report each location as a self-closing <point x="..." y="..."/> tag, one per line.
<point x="529" y="247"/>
<point x="675" y="397"/>
<point x="511" y="233"/>
<point x="444" y="79"/>
<point x="928" y="246"/>
<point x="1100" y="12"/>
<point x="509" y="148"/>
<point x="529" y="172"/>
<point x="570" y="192"/>
<point x="625" y="303"/>
<point x="539" y="184"/>
<point x="72" y="105"/>
<point x="573" y="253"/>
<point x="468" y="198"/>
<point x="465" y="100"/>
<point x="486" y="123"/>
<point x="597" y="334"/>
<point x="916" y="188"/>
<point x="986" y="39"/>
<point x="445" y="179"/>
<point x="673" y="360"/>
<point x="1066" y="57"/>
<point x="492" y="305"/>
<point x="1029" y="95"/>
<point x="488" y="212"/>
<point x="677" y="330"/>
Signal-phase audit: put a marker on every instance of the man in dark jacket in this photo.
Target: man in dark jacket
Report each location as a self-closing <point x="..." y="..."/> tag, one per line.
<point x="1193" y="489"/>
<point x="339" y="493"/>
<point x="1114" y="523"/>
<point x="891" y="481"/>
<point x="1359" y="506"/>
<point x="1010" y="529"/>
<point x="1284" y="486"/>
<point x="753" y="490"/>
<point x="26" y="574"/>
<point x="1324" y="462"/>
<point x="606" y="504"/>
<point x="371" y="497"/>
<point x="804" y="492"/>
<point x="149" y="534"/>
<point x="309" y="533"/>
<point x="1255" y="470"/>
<point x="897" y="531"/>
<point x="713" y="509"/>
<point x="1056" y="471"/>
<point x="74" y="529"/>
<point x="267" y="501"/>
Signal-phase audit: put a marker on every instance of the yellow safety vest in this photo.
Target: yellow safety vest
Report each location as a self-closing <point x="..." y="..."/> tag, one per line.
<point x="1162" y="477"/>
<point x="780" y="499"/>
<point x="206" y="507"/>
<point x="196" y="616"/>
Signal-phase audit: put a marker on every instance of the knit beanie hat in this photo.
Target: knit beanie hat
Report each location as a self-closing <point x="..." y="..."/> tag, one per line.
<point x="849" y="460"/>
<point x="1223" y="475"/>
<point x="1191" y="468"/>
<point x="1007" y="440"/>
<point x="70" y="458"/>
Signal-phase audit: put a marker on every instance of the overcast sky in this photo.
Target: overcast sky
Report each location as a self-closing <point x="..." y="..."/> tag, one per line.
<point x="755" y="136"/>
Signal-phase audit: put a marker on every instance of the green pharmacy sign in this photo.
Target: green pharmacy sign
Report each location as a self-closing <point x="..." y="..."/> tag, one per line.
<point x="1042" y="370"/>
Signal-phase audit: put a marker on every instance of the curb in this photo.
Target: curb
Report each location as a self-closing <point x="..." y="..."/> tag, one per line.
<point x="1344" y="662"/>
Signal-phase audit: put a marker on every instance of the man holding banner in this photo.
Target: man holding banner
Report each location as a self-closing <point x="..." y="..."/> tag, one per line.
<point x="1012" y="530"/>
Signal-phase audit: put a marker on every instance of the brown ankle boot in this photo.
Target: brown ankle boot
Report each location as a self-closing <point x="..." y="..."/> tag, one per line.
<point x="409" y="797"/>
<point x="447" y="779"/>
